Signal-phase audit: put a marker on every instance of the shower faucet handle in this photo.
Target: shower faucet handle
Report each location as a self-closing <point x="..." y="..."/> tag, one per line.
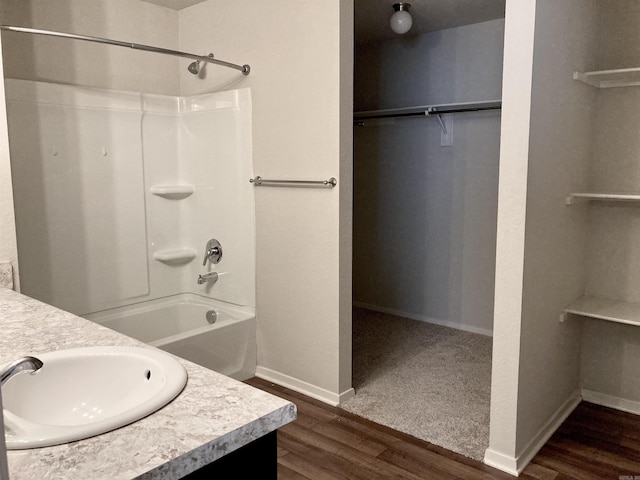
<point x="213" y="252"/>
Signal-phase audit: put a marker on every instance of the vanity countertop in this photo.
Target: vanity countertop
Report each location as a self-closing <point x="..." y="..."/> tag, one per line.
<point x="214" y="415"/>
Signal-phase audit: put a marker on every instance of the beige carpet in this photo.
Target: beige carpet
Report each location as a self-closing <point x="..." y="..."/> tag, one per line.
<point x="428" y="381"/>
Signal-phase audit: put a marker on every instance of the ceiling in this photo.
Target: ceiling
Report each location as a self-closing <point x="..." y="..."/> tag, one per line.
<point x="372" y="16"/>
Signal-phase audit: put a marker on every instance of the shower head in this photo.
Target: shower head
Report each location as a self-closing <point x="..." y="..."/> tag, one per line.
<point x="194" y="67"/>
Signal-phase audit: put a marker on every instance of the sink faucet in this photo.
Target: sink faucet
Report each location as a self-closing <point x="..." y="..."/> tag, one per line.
<point x="24" y="364"/>
<point x="208" y="276"/>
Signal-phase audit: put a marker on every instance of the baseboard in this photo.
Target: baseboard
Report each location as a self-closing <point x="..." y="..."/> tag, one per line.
<point x="501" y="462"/>
<point x="515" y="465"/>
<point x="305" y="388"/>
<point x="624" y="405"/>
<point x="424" y="318"/>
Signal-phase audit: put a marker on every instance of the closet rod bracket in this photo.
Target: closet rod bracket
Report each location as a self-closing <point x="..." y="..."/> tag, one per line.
<point x="429" y="112"/>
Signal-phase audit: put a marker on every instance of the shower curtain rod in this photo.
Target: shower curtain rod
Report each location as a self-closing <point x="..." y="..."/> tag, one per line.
<point x="245" y="69"/>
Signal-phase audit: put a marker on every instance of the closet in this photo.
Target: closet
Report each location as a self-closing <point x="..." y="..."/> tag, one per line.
<point x="426" y="155"/>
<point x="426" y="148"/>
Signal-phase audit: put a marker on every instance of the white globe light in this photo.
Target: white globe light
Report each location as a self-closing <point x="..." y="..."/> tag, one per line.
<point x="401" y="22"/>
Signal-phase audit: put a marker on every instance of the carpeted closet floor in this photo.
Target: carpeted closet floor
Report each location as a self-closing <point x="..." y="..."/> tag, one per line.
<point x="429" y="381"/>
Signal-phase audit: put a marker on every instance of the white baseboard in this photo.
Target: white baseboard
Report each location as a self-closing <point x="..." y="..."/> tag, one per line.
<point x="515" y="465"/>
<point x="305" y="388"/>
<point x="501" y="462"/>
<point x="424" y="318"/>
<point x="630" y="406"/>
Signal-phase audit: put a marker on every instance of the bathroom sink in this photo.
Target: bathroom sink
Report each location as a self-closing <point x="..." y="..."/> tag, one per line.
<point x="83" y="392"/>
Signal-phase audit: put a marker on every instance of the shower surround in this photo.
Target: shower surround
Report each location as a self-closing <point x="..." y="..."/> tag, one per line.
<point x="117" y="194"/>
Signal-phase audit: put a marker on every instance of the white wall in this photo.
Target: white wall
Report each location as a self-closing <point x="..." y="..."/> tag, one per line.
<point x="514" y="147"/>
<point x="540" y="263"/>
<point x="299" y="62"/>
<point x="49" y="59"/>
<point x="8" y="245"/>
<point x="611" y="352"/>
<point x="556" y="236"/>
<point x="425" y="215"/>
<point x="454" y="65"/>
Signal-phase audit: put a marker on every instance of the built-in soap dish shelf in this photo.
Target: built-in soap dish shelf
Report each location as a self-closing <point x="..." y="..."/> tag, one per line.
<point x="172" y="192"/>
<point x="175" y="256"/>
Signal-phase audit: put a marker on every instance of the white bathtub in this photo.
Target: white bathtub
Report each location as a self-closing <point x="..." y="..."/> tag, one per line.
<point x="179" y="325"/>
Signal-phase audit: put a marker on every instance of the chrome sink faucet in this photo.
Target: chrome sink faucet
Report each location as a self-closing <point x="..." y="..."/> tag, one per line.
<point x="24" y="364"/>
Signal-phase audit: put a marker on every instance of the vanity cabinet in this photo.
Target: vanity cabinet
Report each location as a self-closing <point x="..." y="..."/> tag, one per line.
<point x="257" y="459"/>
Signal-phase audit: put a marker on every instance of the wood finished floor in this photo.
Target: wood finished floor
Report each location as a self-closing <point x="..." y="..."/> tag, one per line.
<point x="327" y="443"/>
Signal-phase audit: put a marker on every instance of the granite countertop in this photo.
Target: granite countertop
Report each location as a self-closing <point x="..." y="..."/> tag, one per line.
<point x="214" y="415"/>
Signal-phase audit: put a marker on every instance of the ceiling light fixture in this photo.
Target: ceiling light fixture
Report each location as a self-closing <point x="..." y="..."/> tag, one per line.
<point x="401" y="20"/>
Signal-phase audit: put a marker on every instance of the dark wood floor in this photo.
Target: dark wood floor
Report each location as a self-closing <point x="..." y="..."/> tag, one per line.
<point x="328" y="443"/>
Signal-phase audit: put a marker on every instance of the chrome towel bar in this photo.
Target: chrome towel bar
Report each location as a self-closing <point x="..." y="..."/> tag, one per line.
<point x="263" y="182"/>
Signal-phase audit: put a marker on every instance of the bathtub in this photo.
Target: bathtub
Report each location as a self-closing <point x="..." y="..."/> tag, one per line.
<point x="224" y="341"/>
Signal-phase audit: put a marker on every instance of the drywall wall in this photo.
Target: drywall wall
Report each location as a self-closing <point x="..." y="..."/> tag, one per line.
<point x="424" y="214"/>
<point x="8" y="245"/>
<point x="345" y="229"/>
<point x="542" y="376"/>
<point x="454" y="65"/>
<point x="55" y="60"/>
<point x="556" y="236"/>
<point x="611" y="352"/>
<point x="300" y="131"/>
<point x="512" y="198"/>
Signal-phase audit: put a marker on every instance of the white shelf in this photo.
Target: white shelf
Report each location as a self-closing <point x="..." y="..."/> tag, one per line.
<point x="625" y="77"/>
<point x="174" y="192"/>
<point x="175" y="256"/>
<point x="605" y="309"/>
<point x="607" y="197"/>
<point x="426" y="110"/>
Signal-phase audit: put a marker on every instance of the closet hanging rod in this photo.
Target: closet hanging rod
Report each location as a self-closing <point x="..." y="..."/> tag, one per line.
<point x="427" y="110"/>
<point x="245" y="69"/>
<point x="263" y="182"/>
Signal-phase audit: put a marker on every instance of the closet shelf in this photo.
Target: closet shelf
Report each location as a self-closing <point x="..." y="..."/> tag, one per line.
<point x="625" y="77"/>
<point x="175" y="256"/>
<point x="606" y="197"/>
<point x="606" y="309"/>
<point x="174" y="192"/>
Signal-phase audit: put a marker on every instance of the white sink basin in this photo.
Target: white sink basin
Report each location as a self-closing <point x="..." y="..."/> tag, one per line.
<point x="83" y="392"/>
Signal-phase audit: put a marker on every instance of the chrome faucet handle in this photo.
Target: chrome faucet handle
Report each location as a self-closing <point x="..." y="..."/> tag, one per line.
<point x="213" y="252"/>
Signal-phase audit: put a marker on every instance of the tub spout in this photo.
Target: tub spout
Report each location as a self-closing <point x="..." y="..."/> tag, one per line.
<point x="30" y="364"/>
<point x="208" y="277"/>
